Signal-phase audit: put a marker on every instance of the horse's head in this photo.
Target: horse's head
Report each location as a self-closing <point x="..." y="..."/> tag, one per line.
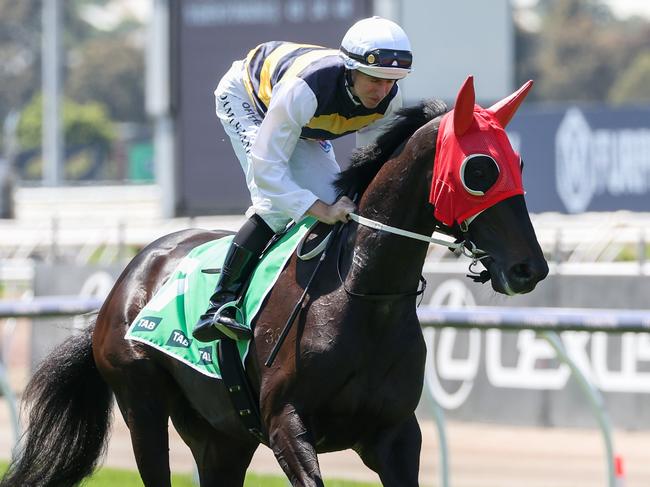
<point x="477" y="190"/>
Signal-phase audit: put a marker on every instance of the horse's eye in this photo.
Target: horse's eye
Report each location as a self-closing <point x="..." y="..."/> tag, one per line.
<point x="478" y="174"/>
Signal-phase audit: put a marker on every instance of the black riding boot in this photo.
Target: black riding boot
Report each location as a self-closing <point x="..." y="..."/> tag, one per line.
<point x="240" y="261"/>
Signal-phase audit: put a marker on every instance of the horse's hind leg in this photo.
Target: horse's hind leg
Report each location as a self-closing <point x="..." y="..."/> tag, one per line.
<point x="394" y="454"/>
<point x="220" y="458"/>
<point x="293" y="447"/>
<point x="220" y="461"/>
<point x="144" y="404"/>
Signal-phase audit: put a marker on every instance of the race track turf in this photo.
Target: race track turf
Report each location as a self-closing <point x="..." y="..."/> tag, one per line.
<point x="110" y="477"/>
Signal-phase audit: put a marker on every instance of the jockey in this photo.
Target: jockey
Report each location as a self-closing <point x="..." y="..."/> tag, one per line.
<point x="280" y="106"/>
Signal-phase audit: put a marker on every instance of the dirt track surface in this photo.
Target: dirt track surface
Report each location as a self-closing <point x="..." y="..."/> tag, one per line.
<point x="480" y="456"/>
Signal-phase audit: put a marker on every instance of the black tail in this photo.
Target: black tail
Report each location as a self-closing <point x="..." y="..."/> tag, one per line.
<point x="69" y="419"/>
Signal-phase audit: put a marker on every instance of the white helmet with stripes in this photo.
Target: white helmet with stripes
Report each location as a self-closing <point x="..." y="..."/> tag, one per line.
<point x="377" y="47"/>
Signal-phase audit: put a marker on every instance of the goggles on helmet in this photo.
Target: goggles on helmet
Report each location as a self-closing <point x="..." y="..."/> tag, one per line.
<point x="385" y="58"/>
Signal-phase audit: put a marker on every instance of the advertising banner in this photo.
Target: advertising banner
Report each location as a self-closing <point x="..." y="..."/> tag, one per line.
<point x="590" y="158"/>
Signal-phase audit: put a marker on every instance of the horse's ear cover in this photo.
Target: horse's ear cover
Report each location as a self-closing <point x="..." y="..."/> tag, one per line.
<point x="467" y="130"/>
<point x="464" y="108"/>
<point x="505" y="109"/>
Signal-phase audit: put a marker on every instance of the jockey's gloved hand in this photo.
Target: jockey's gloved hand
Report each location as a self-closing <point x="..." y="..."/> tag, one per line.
<point x="331" y="214"/>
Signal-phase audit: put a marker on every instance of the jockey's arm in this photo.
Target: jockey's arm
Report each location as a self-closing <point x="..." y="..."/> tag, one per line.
<point x="369" y="134"/>
<point x="292" y="106"/>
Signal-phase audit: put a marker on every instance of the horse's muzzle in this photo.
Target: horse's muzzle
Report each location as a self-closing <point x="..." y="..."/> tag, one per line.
<point x="520" y="278"/>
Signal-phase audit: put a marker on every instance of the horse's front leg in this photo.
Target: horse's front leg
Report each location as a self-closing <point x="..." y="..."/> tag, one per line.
<point x="394" y="454"/>
<point x="293" y="447"/>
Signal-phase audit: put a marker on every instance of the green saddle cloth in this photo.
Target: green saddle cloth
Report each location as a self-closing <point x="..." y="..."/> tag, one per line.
<point x="166" y="322"/>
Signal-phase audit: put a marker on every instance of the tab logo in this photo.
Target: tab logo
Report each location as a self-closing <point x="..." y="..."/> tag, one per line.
<point x="148" y="323"/>
<point x="205" y="355"/>
<point x="178" y="339"/>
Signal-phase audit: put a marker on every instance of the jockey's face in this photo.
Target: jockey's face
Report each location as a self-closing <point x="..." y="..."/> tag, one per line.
<point x="370" y="90"/>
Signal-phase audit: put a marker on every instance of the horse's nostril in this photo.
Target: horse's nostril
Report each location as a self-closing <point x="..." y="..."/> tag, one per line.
<point x="521" y="272"/>
<point x="524" y="276"/>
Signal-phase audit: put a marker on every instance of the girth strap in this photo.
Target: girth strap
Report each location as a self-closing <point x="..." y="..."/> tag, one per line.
<point x="241" y="395"/>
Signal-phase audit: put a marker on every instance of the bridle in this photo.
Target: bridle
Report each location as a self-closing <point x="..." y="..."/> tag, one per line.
<point x="463" y="245"/>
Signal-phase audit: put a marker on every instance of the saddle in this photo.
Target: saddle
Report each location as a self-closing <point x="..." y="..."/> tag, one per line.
<point x="165" y="323"/>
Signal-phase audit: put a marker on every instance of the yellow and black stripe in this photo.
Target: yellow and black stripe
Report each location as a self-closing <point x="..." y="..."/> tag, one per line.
<point x="324" y="72"/>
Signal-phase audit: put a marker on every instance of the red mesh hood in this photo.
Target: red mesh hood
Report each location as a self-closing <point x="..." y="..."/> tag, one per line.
<point x="467" y="130"/>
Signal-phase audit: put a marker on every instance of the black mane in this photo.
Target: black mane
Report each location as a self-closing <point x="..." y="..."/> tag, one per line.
<point x="366" y="161"/>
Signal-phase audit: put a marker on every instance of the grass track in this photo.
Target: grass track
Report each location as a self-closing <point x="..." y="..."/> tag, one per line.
<point x="110" y="477"/>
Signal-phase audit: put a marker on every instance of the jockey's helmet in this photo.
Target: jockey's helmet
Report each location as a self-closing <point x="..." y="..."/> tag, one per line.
<point x="377" y="47"/>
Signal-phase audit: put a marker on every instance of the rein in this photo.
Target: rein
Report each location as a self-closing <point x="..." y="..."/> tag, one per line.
<point x="457" y="247"/>
<point x="465" y="246"/>
<point x="367" y="222"/>
<point x="379" y="296"/>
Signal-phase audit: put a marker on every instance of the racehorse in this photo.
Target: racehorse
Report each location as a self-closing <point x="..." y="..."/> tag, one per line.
<point x="350" y="373"/>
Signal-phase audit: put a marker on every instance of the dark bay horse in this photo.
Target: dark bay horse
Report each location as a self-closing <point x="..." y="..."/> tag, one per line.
<point x="350" y="373"/>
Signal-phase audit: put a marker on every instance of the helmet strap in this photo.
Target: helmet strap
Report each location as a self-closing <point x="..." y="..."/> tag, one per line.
<point x="349" y="85"/>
